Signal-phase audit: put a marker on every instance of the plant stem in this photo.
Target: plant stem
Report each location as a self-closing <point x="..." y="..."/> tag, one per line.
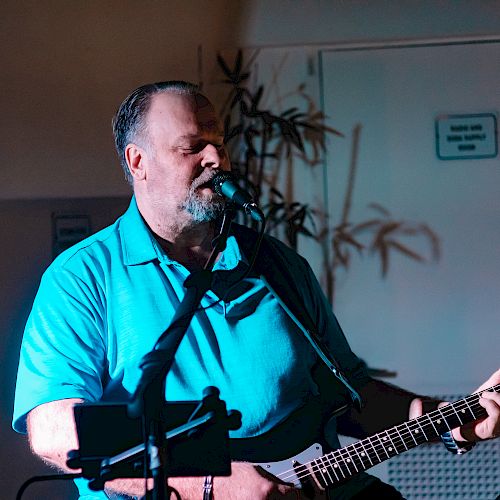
<point x="262" y="159"/>
<point x="346" y="206"/>
<point x="356" y="132"/>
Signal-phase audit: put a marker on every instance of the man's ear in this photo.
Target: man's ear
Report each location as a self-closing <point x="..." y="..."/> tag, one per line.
<point x="135" y="157"/>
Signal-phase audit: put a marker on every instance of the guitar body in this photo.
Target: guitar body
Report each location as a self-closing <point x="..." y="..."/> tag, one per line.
<point x="288" y="439"/>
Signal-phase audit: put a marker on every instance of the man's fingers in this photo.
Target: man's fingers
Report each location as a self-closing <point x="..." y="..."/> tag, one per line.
<point x="416" y="408"/>
<point x="490" y="401"/>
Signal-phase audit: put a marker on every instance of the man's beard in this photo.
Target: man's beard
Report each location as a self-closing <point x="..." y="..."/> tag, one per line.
<point x="202" y="208"/>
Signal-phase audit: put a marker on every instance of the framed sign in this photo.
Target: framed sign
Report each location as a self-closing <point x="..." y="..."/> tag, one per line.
<point x="68" y="229"/>
<point x="466" y="136"/>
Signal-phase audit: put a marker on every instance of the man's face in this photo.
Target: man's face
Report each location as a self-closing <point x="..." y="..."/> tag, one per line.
<point x="184" y="144"/>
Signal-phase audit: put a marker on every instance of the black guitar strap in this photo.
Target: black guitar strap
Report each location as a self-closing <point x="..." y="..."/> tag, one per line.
<point x="280" y="280"/>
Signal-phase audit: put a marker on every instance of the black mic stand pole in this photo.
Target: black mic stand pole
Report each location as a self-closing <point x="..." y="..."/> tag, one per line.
<point x="149" y="397"/>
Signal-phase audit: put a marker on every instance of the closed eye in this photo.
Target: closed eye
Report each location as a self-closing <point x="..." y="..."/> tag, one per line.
<point x="196" y="148"/>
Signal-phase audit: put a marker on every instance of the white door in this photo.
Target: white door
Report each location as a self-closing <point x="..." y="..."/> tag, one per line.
<point x="436" y="324"/>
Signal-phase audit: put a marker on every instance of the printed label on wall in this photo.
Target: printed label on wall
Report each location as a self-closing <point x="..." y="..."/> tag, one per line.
<point x="466" y="136"/>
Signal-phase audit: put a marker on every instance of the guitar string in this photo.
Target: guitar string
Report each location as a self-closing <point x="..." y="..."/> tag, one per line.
<point x="471" y="403"/>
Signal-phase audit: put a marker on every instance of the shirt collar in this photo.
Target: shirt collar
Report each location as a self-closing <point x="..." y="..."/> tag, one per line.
<point x="140" y="246"/>
<point x="231" y="256"/>
<point x="138" y="243"/>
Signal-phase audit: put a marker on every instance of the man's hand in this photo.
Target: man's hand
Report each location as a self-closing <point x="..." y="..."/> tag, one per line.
<point x="488" y="427"/>
<point x="485" y="428"/>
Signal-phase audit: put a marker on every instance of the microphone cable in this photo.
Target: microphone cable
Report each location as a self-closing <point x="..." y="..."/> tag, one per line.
<point x="48" y="477"/>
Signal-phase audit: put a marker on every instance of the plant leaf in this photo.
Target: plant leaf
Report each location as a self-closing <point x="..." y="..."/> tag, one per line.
<point x="405" y="250"/>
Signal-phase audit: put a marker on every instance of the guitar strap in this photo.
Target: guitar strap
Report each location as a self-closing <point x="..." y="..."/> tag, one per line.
<point x="279" y="276"/>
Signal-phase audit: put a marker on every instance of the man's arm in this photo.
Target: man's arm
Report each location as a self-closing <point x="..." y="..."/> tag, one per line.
<point x="52" y="433"/>
<point x="384" y="405"/>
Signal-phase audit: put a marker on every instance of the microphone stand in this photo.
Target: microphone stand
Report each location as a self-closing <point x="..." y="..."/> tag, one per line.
<point x="148" y="399"/>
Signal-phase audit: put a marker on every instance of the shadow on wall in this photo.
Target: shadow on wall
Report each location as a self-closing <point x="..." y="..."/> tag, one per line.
<point x="26" y="235"/>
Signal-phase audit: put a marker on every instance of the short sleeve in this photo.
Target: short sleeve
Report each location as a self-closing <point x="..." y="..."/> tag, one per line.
<point x="63" y="348"/>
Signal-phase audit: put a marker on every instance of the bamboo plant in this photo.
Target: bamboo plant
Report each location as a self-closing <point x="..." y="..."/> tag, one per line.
<point x="265" y="144"/>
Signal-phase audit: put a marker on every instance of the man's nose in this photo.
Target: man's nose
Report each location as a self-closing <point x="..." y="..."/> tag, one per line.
<point x="213" y="156"/>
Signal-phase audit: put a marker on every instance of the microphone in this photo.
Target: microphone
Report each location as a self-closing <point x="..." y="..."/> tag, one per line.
<point x="224" y="184"/>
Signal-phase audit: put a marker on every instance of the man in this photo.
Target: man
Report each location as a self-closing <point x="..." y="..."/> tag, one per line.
<point x="103" y="304"/>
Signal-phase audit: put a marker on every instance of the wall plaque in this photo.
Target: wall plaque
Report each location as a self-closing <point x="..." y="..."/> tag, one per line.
<point x="466" y="136"/>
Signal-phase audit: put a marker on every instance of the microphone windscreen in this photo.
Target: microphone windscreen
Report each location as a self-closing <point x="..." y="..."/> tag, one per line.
<point x="219" y="179"/>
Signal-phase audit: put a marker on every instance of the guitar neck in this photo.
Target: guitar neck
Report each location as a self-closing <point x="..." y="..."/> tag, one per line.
<point x="344" y="463"/>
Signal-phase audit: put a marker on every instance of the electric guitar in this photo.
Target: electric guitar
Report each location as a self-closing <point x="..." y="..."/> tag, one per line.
<point x="339" y="465"/>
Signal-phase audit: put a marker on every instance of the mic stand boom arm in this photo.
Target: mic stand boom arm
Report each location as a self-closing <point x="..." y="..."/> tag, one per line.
<point x="149" y="396"/>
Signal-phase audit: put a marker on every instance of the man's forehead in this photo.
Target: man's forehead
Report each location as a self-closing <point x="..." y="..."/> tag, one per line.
<point x="187" y="109"/>
<point x="171" y="102"/>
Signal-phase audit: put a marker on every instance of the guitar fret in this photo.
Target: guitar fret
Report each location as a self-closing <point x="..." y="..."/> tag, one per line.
<point x="363" y="466"/>
<point x="466" y="411"/>
<point x="420" y="423"/>
<point x="401" y="437"/>
<point x="451" y="416"/>
<point x="393" y="449"/>
<point x="387" y="444"/>
<point x="374" y="449"/>
<point x="440" y="411"/>
<point x="318" y="472"/>
<point x="457" y="414"/>
<point x="479" y="410"/>
<point x="332" y="462"/>
<point x="351" y="459"/>
<point x="381" y="444"/>
<point x="432" y="423"/>
<point x="326" y="469"/>
<point x="344" y="469"/>
<point x="365" y="452"/>
<point x="397" y="440"/>
<point x="332" y="469"/>
<point x="346" y="461"/>
<point x="470" y="409"/>
<point x="409" y="431"/>
<point x="338" y="463"/>
<point x="410" y="440"/>
<point x="417" y="431"/>
<point x="439" y="423"/>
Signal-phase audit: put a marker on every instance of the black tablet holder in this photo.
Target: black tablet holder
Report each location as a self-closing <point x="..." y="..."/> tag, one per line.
<point x="112" y="444"/>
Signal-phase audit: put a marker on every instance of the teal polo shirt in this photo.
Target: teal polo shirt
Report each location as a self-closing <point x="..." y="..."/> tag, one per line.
<point x="103" y="304"/>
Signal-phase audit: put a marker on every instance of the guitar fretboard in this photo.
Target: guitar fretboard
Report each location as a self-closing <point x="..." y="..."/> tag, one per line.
<point x="341" y="464"/>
